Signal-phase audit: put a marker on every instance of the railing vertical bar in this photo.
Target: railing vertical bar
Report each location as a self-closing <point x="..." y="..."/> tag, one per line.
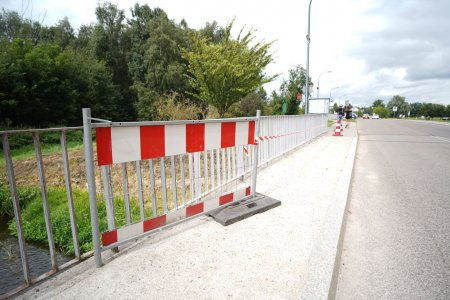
<point x="16" y="206"/>
<point x="218" y="167"/>
<point x="191" y="177"/>
<point x="42" y="183"/>
<point x="234" y="157"/>
<point x="205" y="166"/>
<point x="90" y="176"/>
<point x="126" y="194"/>
<point x="197" y="175"/>
<point x="224" y="173"/>
<point x="153" y="187"/>
<point x="108" y="197"/>
<point x="73" y="220"/>
<point x="211" y="155"/>
<point x="163" y="184"/>
<point x="140" y="190"/>
<point x="174" y="182"/>
<point x="229" y="163"/>
<point x="183" y="180"/>
<point x="255" y="159"/>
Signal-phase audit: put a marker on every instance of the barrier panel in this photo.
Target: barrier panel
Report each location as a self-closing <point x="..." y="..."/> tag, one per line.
<point x="182" y="169"/>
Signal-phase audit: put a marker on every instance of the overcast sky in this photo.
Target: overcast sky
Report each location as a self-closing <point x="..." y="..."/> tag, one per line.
<point x="374" y="48"/>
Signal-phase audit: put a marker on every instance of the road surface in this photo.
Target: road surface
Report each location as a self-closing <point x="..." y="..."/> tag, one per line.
<point x="397" y="238"/>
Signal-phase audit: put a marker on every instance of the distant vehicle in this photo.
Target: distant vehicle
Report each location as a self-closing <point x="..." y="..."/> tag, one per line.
<point x="375" y="116"/>
<point x="445" y="118"/>
<point x="354" y="116"/>
<point x="366" y="116"/>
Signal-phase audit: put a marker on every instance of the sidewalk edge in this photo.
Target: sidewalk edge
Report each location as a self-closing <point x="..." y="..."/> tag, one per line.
<point x="321" y="279"/>
<point x="337" y="262"/>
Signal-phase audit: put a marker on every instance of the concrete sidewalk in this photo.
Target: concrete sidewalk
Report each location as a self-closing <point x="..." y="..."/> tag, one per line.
<point x="285" y="253"/>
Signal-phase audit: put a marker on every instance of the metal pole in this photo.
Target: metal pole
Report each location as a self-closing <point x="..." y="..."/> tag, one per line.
<point x="45" y="205"/>
<point x="308" y="39"/>
<point x="88" y="157"/>
<point x="73" y="220"/>
<point x="16" y="206"/>
<point x="318" y="82"/>
<point x="255" y="154"/>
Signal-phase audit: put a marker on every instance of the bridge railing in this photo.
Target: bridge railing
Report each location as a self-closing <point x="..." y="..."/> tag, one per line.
<point x="141" y="180"/>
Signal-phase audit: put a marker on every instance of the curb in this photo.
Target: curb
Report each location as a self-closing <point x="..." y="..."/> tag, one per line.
<point x="321" y="279"/>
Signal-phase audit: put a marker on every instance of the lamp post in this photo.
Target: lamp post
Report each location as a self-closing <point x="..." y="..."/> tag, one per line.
<point x="336" y="87"/>
<point x="307" y="59"/>
<point x="318" y="81"/>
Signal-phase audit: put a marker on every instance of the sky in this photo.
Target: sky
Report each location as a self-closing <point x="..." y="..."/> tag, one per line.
<point x="375" y="49"/>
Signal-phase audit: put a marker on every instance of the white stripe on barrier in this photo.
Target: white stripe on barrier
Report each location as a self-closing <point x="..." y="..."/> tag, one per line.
<point x="212" y="139"/>
<point x="126" y="145"/>
<point x="175" y="139"/>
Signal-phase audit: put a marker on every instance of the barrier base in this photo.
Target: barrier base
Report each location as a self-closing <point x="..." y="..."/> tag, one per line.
<point x="243" y="209"/>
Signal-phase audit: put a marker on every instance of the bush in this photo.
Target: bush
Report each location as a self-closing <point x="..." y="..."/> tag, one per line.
<point x="26" y="195"/>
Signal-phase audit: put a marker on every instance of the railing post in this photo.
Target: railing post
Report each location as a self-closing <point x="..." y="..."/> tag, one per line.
<point x="73" y="220"/>
<point x="89" y="160"/>
<point x="17" y="214"/>
<point x="255" y="154"/>
<point x="45" y="204"/>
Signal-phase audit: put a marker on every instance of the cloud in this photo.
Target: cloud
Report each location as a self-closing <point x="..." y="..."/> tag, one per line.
<point x="415" y="36"/>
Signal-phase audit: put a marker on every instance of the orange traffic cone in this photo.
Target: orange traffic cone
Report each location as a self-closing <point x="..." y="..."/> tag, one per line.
<point x="338" y="130"/>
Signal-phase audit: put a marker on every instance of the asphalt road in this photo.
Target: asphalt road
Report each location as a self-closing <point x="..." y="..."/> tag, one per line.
<point x="397" y="238"/>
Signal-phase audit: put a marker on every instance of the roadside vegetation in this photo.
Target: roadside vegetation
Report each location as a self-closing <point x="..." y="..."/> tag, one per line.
<point x="416" y="110"/>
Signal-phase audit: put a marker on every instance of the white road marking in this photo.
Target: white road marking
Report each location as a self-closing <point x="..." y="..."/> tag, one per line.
<point x="442" y="139"/>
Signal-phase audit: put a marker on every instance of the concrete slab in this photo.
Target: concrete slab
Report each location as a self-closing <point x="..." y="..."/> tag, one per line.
<point x="243" y="209"/>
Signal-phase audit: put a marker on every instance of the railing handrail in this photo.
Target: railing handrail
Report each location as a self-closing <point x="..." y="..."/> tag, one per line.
<point x="31" y="130"/>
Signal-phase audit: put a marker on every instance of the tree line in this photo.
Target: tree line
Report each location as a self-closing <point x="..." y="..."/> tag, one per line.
<point x="415" y="109"/>
<point x="147" y="67"/>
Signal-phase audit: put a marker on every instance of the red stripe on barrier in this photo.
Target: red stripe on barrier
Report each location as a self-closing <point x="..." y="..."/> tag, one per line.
<point x="194" y="209"/>
<point x="109" y="237"/>
<point x="154" y="223"/>
<point x="226" y="199"/>
<point x="195" y="137"/>
<point x="247" y="191"/>
<point x="228" y="134"/>
<point x="251" y="132"/>
<point x="104" y="145"/>
<point x="152" y="141"/>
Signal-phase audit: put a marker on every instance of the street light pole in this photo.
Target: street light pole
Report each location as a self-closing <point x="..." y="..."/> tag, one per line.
<point x="307" y="59"/>
<point x="318" y="82"/>
<point x="336" y="87"/>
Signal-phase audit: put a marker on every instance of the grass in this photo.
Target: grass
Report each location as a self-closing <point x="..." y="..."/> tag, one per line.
<point x="34" y="222"/>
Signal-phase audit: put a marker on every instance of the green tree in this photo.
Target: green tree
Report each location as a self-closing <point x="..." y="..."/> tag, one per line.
<point x="400" y="103"/>
<point x="383" y="112"/>
<point x="42" y="85"/>
<point x="378" y="103"/>
<point x="155" y="62"/>
<point x="223" y="73"/>
<point x="415" y="107"/>
<point x="111" y="43"/>
<point x="248" y="105"/>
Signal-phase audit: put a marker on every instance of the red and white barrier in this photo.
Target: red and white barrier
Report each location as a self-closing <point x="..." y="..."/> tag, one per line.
<point x="134" y="230"/>
<point x="124" y="144"/>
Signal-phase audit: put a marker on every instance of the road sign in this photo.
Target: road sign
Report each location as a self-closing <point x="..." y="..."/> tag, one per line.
<point x="394" y="108"/>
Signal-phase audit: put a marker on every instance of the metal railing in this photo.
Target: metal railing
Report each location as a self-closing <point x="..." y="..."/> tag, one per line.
<point x="43" y="186"/>
<point x="133" y="192"/>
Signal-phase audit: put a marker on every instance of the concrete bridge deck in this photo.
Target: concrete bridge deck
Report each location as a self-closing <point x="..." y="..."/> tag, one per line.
<point x="285" y="253"/>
